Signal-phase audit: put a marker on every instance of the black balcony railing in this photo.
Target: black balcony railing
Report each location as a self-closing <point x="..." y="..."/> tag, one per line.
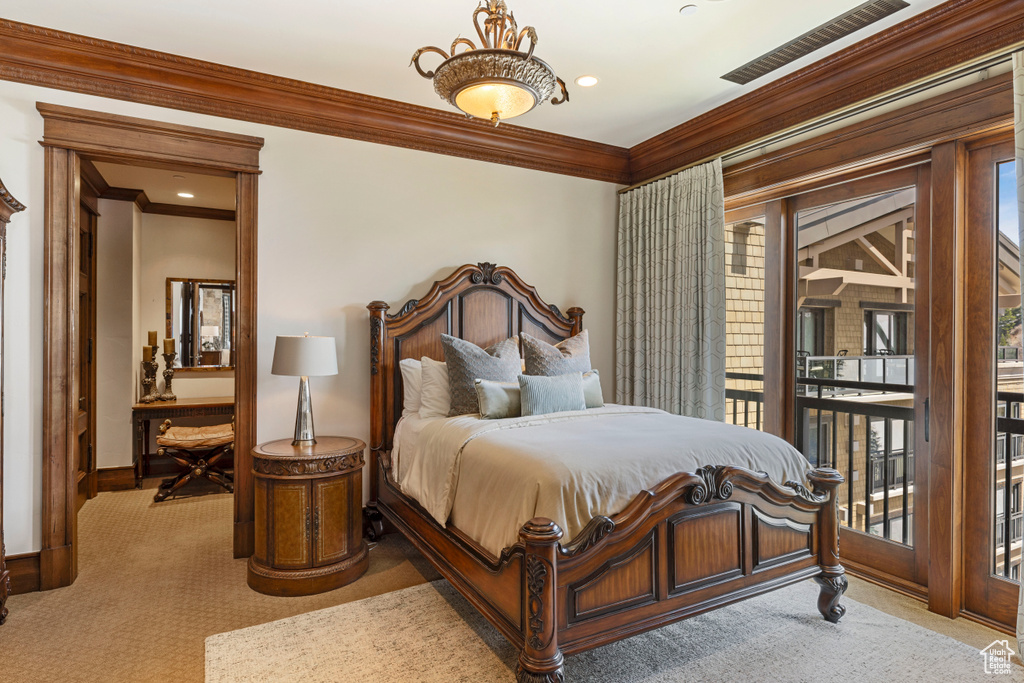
<point x="1015" y="527"/>
<point x="741" y="403"/>
<point x="834" y="431"/>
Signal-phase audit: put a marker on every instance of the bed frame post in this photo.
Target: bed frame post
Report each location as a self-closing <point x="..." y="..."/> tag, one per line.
<point x="832" y="580"/>
<point x="576" y="316"/>
<point x="379" y="361"/>
<point x="541" y="660"/>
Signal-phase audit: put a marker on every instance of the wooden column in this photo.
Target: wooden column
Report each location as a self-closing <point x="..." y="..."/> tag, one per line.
<point x="245" y="361"/>
<point x="779" y="275"/>
<point x="541" y="660"/>
<point x="945" y="470"/>
<point x="57" y="562"/>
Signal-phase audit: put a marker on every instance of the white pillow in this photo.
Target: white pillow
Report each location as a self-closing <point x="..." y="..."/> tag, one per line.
<point x="412" y="384"/>
<point x="435" y="397"/>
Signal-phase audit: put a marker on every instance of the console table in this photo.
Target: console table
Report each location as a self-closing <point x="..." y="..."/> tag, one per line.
<point x="144" y="413"/>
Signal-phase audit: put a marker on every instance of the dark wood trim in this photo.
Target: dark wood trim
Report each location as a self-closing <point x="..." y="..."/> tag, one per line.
<point x="247" y="201"/>
<point x="115" y="478"/>
<point x="140" y="199"/>
<point x="880" y="578"/>
<point x="111" y="137"/>
<point x="778" y="370"/>
<point x="65" y="61"/>
<point x="66" y="133"/>
<point x="986" y="595"/>
<point x="191" y="212"/>
<point x="945" y="469"/>
<point x="821" y="303"/>
<point x="24" y="571"/>
<point x="933" y="41"/>
<point x="893" y="137"/>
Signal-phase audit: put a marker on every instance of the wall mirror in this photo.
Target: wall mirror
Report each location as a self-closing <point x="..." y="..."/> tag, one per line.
<point x="201" y="321"/>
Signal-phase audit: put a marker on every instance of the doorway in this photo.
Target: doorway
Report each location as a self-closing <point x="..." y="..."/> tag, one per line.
<point x="69" y="135"/>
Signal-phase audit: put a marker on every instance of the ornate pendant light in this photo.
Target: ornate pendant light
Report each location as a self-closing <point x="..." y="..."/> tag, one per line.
<point x="495" y="81"/>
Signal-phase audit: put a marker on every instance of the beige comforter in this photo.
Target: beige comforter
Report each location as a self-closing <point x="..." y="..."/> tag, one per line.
<point x="489" y="477"/>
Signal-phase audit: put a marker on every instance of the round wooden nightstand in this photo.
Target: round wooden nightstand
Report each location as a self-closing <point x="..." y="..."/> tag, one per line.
<point x="308" y="516"/>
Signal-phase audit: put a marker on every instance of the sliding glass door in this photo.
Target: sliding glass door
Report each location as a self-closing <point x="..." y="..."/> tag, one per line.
<point x="994" y="387"/>
<point x="856" y="376"/>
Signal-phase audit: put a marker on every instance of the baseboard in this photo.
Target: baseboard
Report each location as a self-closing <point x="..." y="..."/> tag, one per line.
<point x="879" y="578"/>
<point x="115" y="479"/>
<point x="24" y="571"/>
<point x="245" y="539"/>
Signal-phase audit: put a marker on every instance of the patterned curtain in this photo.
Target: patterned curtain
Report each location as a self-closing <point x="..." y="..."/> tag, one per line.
<point x="670" y="324"/>
<point x="1018" y="129"/>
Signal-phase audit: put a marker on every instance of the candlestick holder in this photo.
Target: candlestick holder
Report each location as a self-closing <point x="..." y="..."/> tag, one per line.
<point x="149" y="369"/>
<point x="168" y="395"/>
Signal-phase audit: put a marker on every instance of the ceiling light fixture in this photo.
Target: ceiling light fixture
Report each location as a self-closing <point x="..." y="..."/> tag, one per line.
<point x="688" y="10"/>
<point x="495" y="81"/>
<point x="186" y="195"/>
<point x="586" y="81"/>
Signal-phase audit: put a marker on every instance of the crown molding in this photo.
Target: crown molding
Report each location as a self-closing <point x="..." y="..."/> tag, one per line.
<point x="937" y="40"/>
<point x="66" y="61"/>
<point x="927" y="44"/>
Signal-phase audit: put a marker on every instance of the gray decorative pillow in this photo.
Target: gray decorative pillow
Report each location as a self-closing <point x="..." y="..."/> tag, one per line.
<point x="571" y="355"/>
<point x="467" y="363"/>
<point x="592" y="389"/>
<point x="497" y="399"/>
<point x="541" y="395"/>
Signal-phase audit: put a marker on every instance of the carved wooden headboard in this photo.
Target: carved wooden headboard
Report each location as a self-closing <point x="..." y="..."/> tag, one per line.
<point x="483" y="304"/>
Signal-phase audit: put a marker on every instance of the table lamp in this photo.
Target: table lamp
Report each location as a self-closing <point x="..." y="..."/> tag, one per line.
<point x="305" y="357"/>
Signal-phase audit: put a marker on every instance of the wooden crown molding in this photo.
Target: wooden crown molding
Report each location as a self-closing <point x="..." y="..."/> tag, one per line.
<point x="929" y="43"/>
<point x="56" y="59"/>
<point x="95" y="179"/>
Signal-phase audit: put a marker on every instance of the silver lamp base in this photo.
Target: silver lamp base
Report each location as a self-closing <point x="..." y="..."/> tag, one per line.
<point x="304" y="416"/>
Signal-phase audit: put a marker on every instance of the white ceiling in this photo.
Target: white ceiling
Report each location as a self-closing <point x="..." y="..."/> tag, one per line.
<point x="657" y="68"/>
<point x="162" y="186"/>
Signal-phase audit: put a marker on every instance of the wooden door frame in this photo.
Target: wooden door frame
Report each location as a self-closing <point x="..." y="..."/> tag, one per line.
<point x="68" y="135"/>
<point x="990" y="599"/>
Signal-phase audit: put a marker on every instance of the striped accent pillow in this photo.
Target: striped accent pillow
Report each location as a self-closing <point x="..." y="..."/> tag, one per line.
<point x="541" y="395"/>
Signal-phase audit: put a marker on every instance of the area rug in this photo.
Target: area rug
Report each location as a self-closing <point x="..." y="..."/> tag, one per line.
<point x="430" y="633"/>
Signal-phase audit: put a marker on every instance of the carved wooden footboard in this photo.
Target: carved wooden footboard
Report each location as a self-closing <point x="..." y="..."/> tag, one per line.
<point x="695" y="542"/>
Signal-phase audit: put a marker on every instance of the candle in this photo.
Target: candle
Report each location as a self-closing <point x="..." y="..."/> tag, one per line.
<point x="147" y="354"/>
<point x="152" y="337"/>
<point x="168" y="346"/>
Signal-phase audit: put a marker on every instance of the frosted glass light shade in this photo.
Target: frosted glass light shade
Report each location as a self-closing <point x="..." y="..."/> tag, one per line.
<point x="507" y="99"/>
<point x="305" y="356"/>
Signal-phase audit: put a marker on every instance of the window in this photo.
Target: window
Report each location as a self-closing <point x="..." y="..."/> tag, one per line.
<point x="885" y="333"/>
<point x="810" y="335"/>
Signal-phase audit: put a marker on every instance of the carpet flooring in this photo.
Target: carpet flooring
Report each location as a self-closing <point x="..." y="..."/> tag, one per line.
<point x="155" y="580"/>
<point x="440" y="637"/>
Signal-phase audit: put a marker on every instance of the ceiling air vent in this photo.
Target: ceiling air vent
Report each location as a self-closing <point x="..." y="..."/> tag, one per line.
<point x="841" y="26"/>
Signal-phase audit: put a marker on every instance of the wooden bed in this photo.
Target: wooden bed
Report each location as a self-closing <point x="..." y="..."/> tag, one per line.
<point x="696" y="541"/>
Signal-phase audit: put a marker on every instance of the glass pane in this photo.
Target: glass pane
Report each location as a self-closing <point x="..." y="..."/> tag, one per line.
<point x="1007" y="517"/>
<point x="855" y="397"/>
<point x="744" y="329"/>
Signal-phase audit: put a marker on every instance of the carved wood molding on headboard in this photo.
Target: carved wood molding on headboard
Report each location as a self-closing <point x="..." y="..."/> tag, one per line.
<point x="482" y="303"/>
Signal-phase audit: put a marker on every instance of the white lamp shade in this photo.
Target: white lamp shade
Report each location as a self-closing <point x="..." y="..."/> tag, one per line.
<point x="305" y="356"/>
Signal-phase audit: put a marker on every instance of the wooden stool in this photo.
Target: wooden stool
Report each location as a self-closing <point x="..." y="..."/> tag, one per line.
<point x="197" y="449"/>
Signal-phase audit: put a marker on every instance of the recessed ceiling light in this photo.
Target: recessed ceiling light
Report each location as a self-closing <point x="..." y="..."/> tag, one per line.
<point x="687" y="10"/>
<point x="186" y="195"/>
<point x="586" y="81"/>
<point x="178" y="177"/>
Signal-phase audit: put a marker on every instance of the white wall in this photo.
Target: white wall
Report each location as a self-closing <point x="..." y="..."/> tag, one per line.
<point x="173" y="246"/>
<point x="341" y="223"/>
<point x="115" y="371"/>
